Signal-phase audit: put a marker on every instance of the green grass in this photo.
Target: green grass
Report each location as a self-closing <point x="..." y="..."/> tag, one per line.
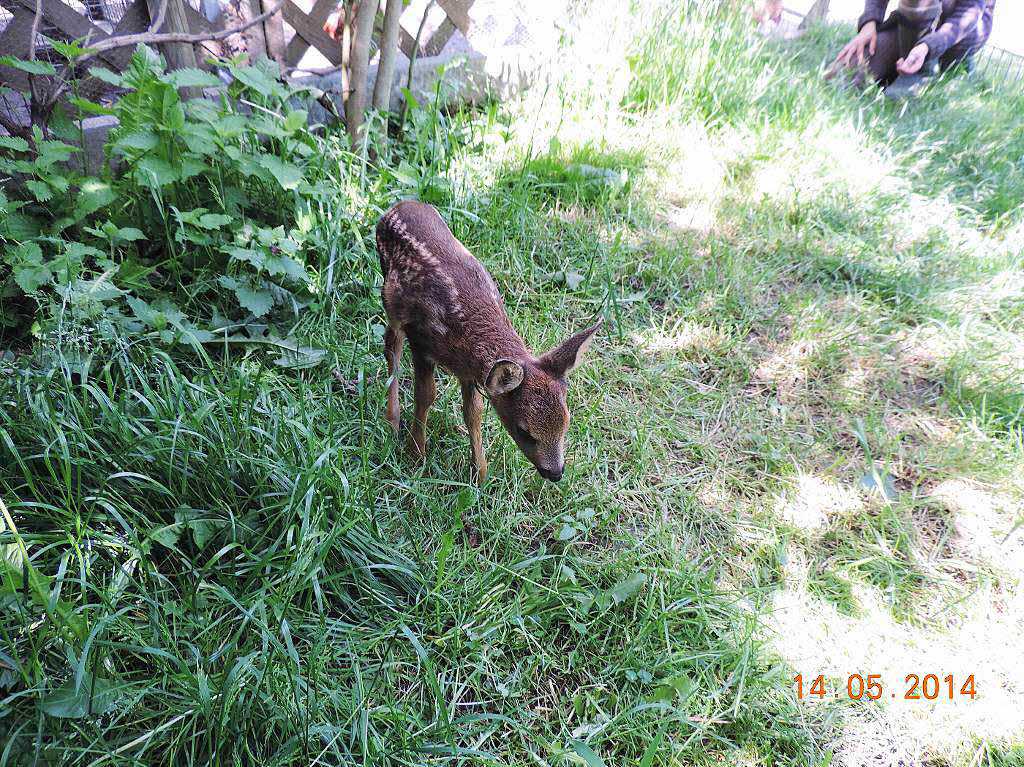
<point x="210" y="559"/>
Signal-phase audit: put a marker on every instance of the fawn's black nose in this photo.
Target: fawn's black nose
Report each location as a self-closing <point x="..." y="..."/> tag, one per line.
<point x="554" y="476"/>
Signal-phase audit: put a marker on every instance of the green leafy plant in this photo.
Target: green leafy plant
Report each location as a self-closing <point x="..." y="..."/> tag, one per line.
<point x="189" y="227"/>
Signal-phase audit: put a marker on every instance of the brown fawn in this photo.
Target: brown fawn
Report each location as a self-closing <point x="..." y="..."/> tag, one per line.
<point x="443" y="301"/>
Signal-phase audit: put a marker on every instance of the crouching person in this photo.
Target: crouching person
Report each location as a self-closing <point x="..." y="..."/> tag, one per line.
<point x="918" y="40"/>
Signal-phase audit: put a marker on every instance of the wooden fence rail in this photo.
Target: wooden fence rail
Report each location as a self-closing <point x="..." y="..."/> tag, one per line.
<point x="285" y="37"/>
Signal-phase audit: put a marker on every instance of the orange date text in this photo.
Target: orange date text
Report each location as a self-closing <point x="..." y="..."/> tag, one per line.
<point x="871" y="687"/>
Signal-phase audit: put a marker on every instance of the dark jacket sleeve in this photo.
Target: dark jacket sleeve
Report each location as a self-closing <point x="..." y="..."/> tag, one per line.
<point x="960" y="22"/>
<point x="874" y="10"/>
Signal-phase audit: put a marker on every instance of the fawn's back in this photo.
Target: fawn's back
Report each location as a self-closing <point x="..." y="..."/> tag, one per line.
<point x="440" y="294"/>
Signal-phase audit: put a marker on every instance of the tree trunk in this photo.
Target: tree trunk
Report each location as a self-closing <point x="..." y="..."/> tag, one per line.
<point x="388" y="53"/>
<point x="359" y="64"/>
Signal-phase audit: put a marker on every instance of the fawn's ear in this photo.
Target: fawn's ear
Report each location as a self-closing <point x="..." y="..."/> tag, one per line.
<point x="504" y="376"/>
<point x="563" y="359"/>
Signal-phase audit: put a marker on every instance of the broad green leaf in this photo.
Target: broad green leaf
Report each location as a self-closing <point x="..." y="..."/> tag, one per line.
<point x="77" y="251"/>
<point x="143" y="140"/>
<point x="143" y="311"/>
<point x="292" y="269"/>
<point x="248" y="255"/>
<point x="40" y="190"/>
<point x="37" y="67"/>
<point x="301" y="357"/>
<point x="20" y="226"/>
<point x="174" y="116"/>
<point x="90" y="107"/>
<point x="71" y="49"/>
<point x="587" y="753"/>
<point x="94" y="696"/>
<point x="406" y="174"/>
<point x="25" y="254"/>
<point x="167" y="535"/>
<point x="54" y="151"/>
<point x="288" y="176"/>
<point x="259" y="302"/>
<point x="130" y="234"/>
<point x="567" y="533"/>
<point x="295" y="120"/>
<point x="191" y="166"/>
<point x="255" y="79"/>
<point x="153" y="171"/>
<point x="194" y="78"/>
<point x="31" y="277"/>
<point x="199" y="139"/>
<point x="14" y="142"/>
<point x="229" y="126"/>
<point x="106" y="75"/>
<point x="93" y="195"/>
<point x="627" y="588"/>
<point x="213" y="220"/>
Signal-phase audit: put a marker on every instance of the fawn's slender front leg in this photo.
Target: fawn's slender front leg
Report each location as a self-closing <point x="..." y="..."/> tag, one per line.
<point x="426" y="393"/>
<point x="472" y="412"/>
<point x="393" y="340"/>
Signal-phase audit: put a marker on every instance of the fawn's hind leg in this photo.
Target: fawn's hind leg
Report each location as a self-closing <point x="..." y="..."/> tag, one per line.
<point x="393" y="340"/>
<point x="426" y="393"/>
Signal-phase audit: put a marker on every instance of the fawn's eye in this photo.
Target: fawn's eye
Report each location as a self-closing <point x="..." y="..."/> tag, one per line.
<point x="524" y="435"/>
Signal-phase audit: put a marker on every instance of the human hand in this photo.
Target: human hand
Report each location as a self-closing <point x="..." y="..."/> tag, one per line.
<point x="337" y="20"/>
<point x="914" y="60"/>
<point x="866" y="39"/>
<point x="333" y="22"/>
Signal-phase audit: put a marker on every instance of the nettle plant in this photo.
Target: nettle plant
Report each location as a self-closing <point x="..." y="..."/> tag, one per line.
<point x="196" y="227"/>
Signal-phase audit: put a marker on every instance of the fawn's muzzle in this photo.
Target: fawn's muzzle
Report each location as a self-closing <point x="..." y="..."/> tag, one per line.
<point x="553" y="476"/>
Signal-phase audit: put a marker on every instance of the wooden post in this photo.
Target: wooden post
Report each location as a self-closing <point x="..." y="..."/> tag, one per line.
<point x="273" y="33"/>
<point x="255" y="37"/>
<point x="178" y="55"/>
<point x="818" y="12"/>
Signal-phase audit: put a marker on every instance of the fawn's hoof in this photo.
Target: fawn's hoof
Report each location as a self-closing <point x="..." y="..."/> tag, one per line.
<point x="419" y="447"/>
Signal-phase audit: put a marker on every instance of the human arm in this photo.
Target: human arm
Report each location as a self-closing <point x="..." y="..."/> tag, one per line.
<point x="874" y="10"/>
<point x="959" y="23"/>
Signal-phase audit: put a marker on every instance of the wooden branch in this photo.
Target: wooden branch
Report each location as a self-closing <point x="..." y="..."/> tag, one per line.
<point x="35" y="30"/>
<point x="388" y="54"/>
<point x="346" y="56"/>
<point x="146" y="38"/>
<point x="356" y="103"/>
<point x="35" y="104"/>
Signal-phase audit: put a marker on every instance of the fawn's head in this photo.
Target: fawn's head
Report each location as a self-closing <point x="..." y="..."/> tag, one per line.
<point x="529" y="397"/>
